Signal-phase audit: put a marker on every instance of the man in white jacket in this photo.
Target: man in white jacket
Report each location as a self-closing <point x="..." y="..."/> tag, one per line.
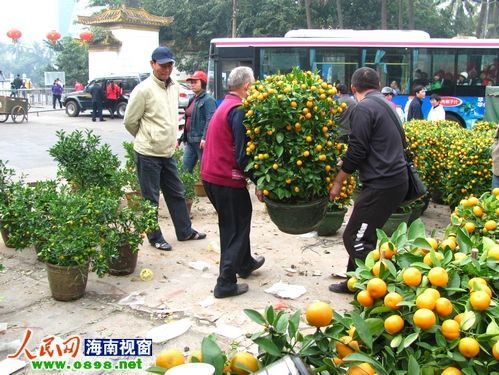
<point x="151" y="117"/>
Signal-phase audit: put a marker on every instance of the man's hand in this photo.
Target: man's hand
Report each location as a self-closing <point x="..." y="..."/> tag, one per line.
<point x="335" y="190"/>
<point x="201" y="144"/>
<point x="259" y="194"/>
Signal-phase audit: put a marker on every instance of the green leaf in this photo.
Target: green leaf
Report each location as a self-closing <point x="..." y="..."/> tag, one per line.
<point x="255" y="316"/>
<point x="468" y="321"/>
<point x="212" y="354"/>
<point x="396" y="341"/>
<point x="410" y="339"/>
<point x="416" y="230"/>
<point x="267" y="345"/>
<point x="413" y="366"/>
<point x="269" y="313"/>
<point x="156" y="370"/>
<point x="279" y="137"/>
<point x="362" y="329"/>
<point x="464" y="241"/>
<point x="282" y="323"/>
<point x="279" y="150"/>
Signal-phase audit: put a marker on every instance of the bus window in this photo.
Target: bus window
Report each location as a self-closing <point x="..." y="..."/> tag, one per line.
<point x="225" y="68"/>
<point x="421" y="66"/>
<point x="392" y="64"/>
<point x="282" y="60"/>
<point x="335" y="64"/>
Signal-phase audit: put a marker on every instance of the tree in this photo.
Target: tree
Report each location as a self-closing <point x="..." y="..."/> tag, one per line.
<point x="72" y="58"/>
<point x="383" y="15"/>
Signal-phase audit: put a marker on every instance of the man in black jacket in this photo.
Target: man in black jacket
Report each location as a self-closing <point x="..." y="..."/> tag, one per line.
<point x="375" y="150"/>
<point x="98" y="97"/>
<point x="415" y="111"/>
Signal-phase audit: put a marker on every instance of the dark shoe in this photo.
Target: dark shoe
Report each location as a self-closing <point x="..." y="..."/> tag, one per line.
<point x="195" y="236"/>
<point x="102" y="119"/>
<point x="240" y="289"/>
<point x="259" y="261"/>
<point x="162" y="245"/>
<point x="93" y="120"/>
<point x="340" y="288"/>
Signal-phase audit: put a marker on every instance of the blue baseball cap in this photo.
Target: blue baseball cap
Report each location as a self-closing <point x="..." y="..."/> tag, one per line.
<point x="162" y="55"/>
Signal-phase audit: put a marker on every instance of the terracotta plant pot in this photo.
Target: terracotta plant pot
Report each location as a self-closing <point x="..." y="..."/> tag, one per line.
<point x="67" y="283"/>
<point x="296" y="218"/>
<point x="331" y="222"/>
<point x="199" y="189"/>
<point x="125" y="263"/>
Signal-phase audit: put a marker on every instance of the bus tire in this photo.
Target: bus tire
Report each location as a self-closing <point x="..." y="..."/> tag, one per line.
<point x="449" y="116"/>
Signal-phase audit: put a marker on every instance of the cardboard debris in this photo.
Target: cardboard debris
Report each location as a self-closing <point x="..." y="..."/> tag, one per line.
<point x="284" y="290"/>
<point x="200" y="265"/>
<point x="228" y="331"/>
<point x="10" y="365"/>
<point x="169" y="331"/>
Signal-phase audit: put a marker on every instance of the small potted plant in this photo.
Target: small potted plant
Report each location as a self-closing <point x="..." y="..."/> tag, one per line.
<point x="291" y="121"/>
<point x="84" y="162"/>
<point x="337" y="209"/>
<point x="73" y="243"/>
<point x="125" y="229"/>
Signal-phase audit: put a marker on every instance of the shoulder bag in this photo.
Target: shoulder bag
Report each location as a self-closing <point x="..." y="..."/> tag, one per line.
<point x="416" y="186"/>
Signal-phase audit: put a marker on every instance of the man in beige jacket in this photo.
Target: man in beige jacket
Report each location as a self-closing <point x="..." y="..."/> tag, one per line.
<point x="151" y="117"/>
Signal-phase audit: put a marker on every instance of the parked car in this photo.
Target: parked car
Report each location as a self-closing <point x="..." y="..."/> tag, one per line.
<point x="184" y="94"/>
<point x="81" y="101"/>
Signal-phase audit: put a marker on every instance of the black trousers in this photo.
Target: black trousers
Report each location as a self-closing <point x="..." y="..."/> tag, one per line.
<point x="97" y="110"/>
<point x="234" y="209"/>
<point x="371" y="210"/>
<point x="155" y="174"/>
<point x="56" y="98"/>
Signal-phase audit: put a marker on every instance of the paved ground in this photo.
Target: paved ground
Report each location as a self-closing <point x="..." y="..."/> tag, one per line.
<point x="177" y="291"/>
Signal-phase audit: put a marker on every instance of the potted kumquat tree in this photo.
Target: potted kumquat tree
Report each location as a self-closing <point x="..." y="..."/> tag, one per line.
<point x="292" y="122"/>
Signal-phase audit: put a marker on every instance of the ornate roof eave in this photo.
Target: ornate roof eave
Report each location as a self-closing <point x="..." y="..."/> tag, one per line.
<point x="125" y="16"/>
<point x="109" y="41"/>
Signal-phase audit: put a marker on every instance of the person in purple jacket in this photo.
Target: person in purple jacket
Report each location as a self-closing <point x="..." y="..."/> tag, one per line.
<point x="56" y="93"/>
<point x="222" y="171"/>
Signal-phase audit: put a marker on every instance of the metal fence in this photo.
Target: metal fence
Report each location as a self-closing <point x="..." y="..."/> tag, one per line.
<point x="36" y="97"/>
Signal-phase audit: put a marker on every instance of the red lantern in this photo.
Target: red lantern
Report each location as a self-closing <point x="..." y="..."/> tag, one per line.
<point x="86" y="36"/>
<point x="14" y="34"/>
<point x="53" y="36"/>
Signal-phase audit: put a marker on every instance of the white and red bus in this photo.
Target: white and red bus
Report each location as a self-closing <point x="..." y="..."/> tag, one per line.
<point x="406" y="57"/>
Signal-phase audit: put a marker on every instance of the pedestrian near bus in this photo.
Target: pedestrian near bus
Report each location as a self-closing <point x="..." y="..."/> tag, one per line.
<point x="344" y="97"/>
<point x="98" y="97"/>
<point x="151" y="117"/>
<point x="437" y="112"/>
<point x="374" y="150"/>
<point x="415" y="111"/>
<point x="222" y="172"/>
<point x="56" y="93"/>
<point x="197" y="116"/>
<point x="113" y="93"/>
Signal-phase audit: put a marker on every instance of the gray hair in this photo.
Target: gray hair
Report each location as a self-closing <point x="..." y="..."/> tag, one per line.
<point x="239" y="76"/>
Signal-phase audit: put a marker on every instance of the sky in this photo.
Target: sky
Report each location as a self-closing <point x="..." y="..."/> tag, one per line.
<point x="35" y="18"/>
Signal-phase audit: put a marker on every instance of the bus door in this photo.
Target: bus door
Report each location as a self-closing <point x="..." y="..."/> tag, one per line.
<point x="224" y="61"/>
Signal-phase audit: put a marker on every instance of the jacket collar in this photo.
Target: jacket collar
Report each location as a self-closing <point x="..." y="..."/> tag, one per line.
<point x="161" y="83"/>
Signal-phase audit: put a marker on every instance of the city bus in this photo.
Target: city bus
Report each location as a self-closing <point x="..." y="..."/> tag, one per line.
<point x="402" y="59"/>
